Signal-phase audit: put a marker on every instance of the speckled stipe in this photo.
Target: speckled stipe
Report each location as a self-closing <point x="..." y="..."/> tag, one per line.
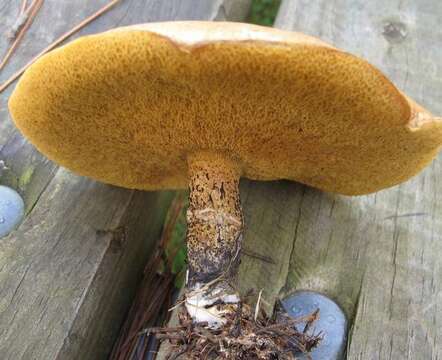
<point x="214" y="218"/>
<point x="127" y="106"/>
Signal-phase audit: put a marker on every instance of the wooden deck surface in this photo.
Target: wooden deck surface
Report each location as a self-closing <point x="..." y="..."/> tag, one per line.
<point x="68" y="274"/>
<point x="82" y="244"/>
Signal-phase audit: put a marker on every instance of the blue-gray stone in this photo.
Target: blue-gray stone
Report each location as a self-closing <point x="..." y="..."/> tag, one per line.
<point x="12" y="209"/>
<point x="332" y="323"/>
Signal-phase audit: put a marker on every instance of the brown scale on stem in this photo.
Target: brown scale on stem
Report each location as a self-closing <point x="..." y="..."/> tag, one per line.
<point x="214" y="218"/>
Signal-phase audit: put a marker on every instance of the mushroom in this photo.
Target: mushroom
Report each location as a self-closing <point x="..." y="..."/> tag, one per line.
<point x="200" y="104"/>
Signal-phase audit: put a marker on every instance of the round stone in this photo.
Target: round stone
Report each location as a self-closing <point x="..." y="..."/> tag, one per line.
<point x="12" y="209"/>
<point x="332" y="323"/>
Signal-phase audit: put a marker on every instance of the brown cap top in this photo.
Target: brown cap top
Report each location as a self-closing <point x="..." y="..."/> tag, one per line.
<point x="128" y="106"/>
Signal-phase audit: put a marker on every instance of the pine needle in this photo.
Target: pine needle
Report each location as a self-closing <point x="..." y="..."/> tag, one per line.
<point x="23" y="6"/>
<point x="23" y="16"/>
<point x="57" y="42"/>
<point x="33" y="10"/>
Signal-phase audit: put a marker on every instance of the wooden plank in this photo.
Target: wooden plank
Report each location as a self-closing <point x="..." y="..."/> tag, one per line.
<point x="377" y="255"/>
<point x="271" y="212"/>
<point x="68" y="273"/>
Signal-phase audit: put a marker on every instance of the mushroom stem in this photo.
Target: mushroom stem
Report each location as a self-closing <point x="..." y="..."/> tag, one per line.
<point x="214" y="234"/>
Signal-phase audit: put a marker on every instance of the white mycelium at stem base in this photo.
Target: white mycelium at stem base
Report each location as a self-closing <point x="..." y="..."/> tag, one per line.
<point x="214" y="234"/>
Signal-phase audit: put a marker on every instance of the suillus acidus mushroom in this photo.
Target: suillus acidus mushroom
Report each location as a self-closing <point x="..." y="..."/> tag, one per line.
<point x="199" y="105"/>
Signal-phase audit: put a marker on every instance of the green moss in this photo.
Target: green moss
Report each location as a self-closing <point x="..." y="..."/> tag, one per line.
<point x="263" y="12"/>
<point x="25" y="177"/>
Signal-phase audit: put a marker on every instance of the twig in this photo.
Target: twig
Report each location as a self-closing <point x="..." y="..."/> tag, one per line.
<point x="58" y="41"/>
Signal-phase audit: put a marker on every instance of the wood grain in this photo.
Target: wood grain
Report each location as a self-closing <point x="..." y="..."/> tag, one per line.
<point x="378" y="255"/>
<point x="68" y="273"/>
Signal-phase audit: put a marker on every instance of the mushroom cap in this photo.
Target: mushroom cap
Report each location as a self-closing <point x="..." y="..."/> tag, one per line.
<point x="128" y="106"/>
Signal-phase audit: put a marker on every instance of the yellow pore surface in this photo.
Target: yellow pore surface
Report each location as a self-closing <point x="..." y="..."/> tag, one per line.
<point x="128" y="106"/>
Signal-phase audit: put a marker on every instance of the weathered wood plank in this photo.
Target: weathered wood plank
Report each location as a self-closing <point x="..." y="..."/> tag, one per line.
<point x="72" y="267"/>
<point x="68" y="273"/>
<point x="271" y="212"/>
<point x="377" y="255"/>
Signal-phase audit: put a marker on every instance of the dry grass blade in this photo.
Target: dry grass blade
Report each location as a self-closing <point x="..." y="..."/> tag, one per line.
<point x="33" y="10"/>
<point x="258" y="303"/>
<point x="62" y="38"/>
